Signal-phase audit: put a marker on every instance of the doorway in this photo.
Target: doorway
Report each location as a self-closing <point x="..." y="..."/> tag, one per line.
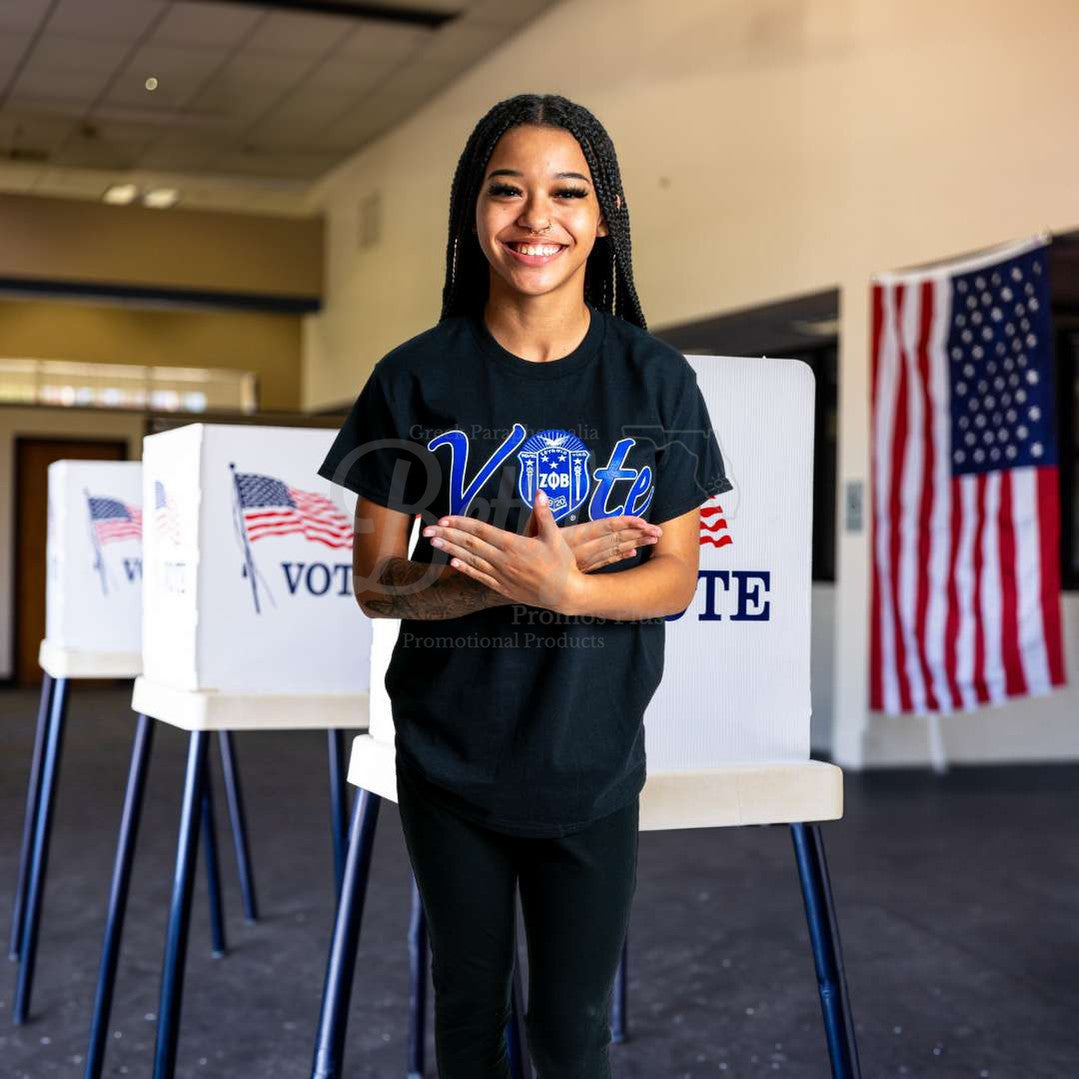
<point x="32" y="459"/>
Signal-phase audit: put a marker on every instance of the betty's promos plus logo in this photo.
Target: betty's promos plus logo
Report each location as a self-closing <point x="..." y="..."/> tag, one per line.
<point x="265" y="506"/>
<point x="113" y="521"/>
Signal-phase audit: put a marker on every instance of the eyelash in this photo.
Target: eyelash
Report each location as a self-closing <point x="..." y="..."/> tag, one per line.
<point x="507" y="189"/>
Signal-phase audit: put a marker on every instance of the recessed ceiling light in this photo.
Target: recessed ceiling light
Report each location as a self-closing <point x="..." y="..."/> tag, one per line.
<point x="161" y="197"/>
<point x="121" y="194"/>
<point x="151" y="83"/>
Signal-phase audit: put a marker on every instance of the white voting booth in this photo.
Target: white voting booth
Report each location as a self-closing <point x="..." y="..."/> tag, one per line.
<point x="93" y="589"/>
<point x="728" y="731"/>
<point x="249" y="620"/>
<point x="93" y="607"/>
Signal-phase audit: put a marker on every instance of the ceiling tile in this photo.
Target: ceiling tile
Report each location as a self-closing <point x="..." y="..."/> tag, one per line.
<point x="252" y="68"/>
<point x="180" y="153"/>
<point x="508" y="12"/>
<point x="223" y="104"/>
<point x="90" y="154"/>
<point x="372" y="39"/>
<point x="72" y="87"/>
<point x="22" y="14"/>
<point x="36" y="135"/>
<point x="181" y="73"/>
<point x="125" y="20"/>
<point x="299" y="166"/>
<point x="462" y="43"/>
<point x="218" y="25"/>
<point x="12" y="48"/>
<point x="58" y="52"/>
<point x="347" y="78"/>
<point x="304" y="35"/>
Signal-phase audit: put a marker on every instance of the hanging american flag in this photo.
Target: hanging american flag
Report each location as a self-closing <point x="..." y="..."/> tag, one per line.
<point x="165" y="519"/>
<point x="965" y="510"/>
<point x="714" y="529"/>
<point x="114" y="520"/>
<point x="272" y="508"/>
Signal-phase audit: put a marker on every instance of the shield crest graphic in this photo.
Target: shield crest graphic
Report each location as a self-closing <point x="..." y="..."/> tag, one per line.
<point x="557" y="462"/>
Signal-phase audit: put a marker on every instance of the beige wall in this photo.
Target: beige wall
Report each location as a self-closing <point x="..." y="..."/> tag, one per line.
<point x="78" y="240"/>
<point x="768" y="148"/>
<point x="268" y="344"/>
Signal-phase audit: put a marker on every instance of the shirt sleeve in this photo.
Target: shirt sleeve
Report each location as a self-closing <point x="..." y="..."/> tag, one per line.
<point x="372" y="454"/>
<point x="689" y="464"/>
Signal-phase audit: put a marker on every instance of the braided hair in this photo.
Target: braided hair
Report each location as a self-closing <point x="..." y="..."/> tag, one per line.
<point x="608" y="281"/>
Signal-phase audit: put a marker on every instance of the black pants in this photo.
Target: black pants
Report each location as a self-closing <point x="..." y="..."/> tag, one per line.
<point x="576" y="893"/>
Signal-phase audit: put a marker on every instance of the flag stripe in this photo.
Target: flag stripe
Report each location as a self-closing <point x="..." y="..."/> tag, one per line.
<point x="895" y="509"/>
<point x="925" y="506"/>
<point x="1015" y="683"/>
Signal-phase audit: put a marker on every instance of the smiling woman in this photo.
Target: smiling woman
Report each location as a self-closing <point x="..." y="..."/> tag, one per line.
<point x="572" y="454"/>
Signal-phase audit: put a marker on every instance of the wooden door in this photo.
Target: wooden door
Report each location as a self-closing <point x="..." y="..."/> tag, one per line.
<point x="32" y="459"/>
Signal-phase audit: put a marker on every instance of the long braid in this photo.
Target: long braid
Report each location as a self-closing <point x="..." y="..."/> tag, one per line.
<point x="608" y="283"/>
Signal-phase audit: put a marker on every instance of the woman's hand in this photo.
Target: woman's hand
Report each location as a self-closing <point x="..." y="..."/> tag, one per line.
<point x="540" y="569"/>
<point x="610" y="539"/>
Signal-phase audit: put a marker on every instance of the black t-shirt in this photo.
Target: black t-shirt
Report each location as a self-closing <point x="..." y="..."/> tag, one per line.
<point x="523" y="719"/>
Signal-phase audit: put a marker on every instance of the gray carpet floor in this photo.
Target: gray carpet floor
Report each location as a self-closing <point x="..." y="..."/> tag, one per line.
<point x="957" y="898"/>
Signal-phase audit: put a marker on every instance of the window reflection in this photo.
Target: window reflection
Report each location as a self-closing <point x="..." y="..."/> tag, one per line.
<point x="112" y="385"/>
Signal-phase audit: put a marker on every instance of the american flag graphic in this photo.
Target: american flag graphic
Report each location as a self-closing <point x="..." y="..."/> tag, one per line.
<point x="114" y="520"/>
<point x="272" y="508"/>
<point x="165" y="519"/>
<point x="714" y="530"/>
<point x="965" y="497"/>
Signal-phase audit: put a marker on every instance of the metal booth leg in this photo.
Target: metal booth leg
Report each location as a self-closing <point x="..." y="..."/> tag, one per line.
<point x="29" y="823"/>
<point x="516" y="1044"/>
<point x="213" y="872"/>
<point x="121" y="879"/>
<point x="50" y="765"/>
<point x="234" y="794"/>
<point x="417" y="998"/>
<point x="827" y="953"/>
<point x="618" y="1003"/>
<point x="337" y="989"/>
<point x="172" y="975"/>
<point x="338" y="805"/>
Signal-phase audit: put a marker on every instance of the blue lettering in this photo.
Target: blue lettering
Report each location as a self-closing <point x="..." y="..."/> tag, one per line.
<point x="760" y="614"/>
<point x="320" y="572"/>
<point x="317" y="577"/>
<point x="610" y="474"/>
<point x="460" y="496"/>
<point x="293" y="580"/>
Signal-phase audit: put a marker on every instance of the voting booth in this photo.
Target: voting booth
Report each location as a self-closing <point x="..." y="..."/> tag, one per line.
<point x="249" y="622"/>
<point x="248" y="612"/>
<point x="93" y="589"/>
<point x="93" y="617"/>
<point x="93" y="606"/>
<point x="727" y="733"/>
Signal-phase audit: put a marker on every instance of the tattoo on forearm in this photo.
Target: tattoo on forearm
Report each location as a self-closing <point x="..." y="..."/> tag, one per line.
<point x="445" y="597"/>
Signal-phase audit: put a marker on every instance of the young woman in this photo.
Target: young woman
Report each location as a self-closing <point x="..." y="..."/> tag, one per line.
<point x="547" y="436"/>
